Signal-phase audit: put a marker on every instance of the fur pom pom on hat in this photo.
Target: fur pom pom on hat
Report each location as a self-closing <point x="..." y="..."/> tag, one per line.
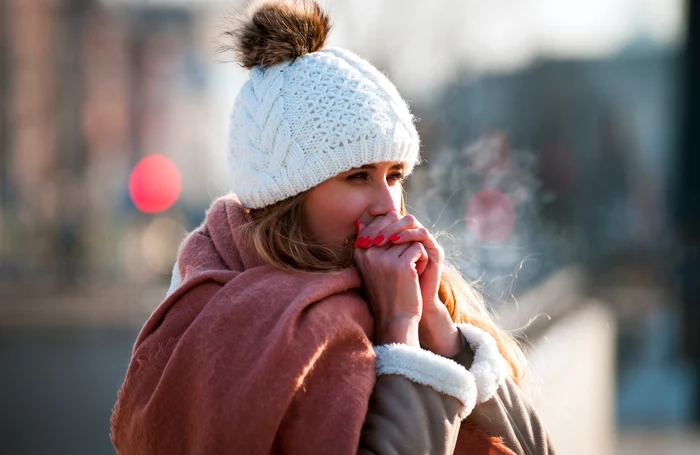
<point x="307" y="113"/>
<point x="278" y="31"/>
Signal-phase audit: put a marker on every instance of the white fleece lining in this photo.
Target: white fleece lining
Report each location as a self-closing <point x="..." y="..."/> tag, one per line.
<point x="489" y="367"/>
<point x="424" y="367"/>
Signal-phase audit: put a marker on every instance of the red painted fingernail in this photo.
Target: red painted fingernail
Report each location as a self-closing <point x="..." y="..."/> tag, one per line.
<point x="378" y="240"/>
<point x="394" y="238"/>
<point x="357" y="227"/>
<point x="359" y="241"/>
<point x="367" y="242"/>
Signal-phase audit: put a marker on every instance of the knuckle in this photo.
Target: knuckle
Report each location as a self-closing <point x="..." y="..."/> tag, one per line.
<point x="405" y="263"/>
<point x="441" y="253"/>
<point x="411" y="219"/>
<point x="393" y="216"/>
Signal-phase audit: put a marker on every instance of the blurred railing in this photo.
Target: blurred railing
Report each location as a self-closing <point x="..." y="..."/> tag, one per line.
<point x="571" y="377"/>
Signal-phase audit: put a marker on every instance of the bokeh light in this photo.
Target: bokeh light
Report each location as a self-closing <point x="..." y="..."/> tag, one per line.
<point x="154" y="184"/>
<point x="490" y="215"/>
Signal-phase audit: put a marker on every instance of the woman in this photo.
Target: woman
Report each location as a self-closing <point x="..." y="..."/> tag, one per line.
<point x="311" y="314"/>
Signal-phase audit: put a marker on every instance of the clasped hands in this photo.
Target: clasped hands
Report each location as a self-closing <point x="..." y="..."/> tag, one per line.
<point x="401" y="264"/>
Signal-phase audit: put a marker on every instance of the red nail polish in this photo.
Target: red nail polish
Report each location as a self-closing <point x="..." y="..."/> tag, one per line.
<point x="367" y="242"/>
<point x="359" y="241"/>
<point x="378" y="240"/>
<point x="357" y="227"/>
<point x="394" y="238"/>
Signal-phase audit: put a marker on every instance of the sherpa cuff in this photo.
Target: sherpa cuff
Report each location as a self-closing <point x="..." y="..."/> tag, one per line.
<point x="423" y="367"/>
<point x="489" y="367"/>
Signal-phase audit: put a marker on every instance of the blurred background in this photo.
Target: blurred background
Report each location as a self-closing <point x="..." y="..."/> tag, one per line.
<point x="559" y="163"/>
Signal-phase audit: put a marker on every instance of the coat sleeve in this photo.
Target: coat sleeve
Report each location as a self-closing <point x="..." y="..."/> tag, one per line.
<point x="508" y="414"/>
<point x="417" y="404"/>
<point x="355" y="398"/>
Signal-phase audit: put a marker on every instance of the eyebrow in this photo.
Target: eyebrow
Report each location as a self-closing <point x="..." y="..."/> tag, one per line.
<point x="397" y="166"/>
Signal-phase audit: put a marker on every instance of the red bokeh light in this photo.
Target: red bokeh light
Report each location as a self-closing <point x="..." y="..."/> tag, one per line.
<point x="154" y="184"/>
<point x="490" y="215"/>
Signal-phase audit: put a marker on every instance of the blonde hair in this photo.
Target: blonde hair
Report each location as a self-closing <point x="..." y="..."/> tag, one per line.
<point x="277" y="236"/>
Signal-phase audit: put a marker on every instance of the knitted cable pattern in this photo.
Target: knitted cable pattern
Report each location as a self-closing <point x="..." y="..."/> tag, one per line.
<point x="296" y="124"/>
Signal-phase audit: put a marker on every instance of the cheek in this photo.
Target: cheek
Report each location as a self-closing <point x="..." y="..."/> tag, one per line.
<point x="335" y="223"/>
<point x="332" y="221"/>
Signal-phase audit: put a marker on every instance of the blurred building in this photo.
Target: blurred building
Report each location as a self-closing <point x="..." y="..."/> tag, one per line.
<point x="89" y="90"/>
<point x="592" y="143"/>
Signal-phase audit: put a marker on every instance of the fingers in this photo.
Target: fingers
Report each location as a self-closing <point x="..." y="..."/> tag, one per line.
<point x="392" y="229"/>
<point x="422" y="262"/>
<point x="414" y="255"/>
<point x="400" y="250"/>
<point x="379" y="230"/>
<point x="389" y="252"/>
<point x="393" y="253"/>
<point x="390" y="232"/>
<point x="395" y="229"/>
<point x="422" y="235"/>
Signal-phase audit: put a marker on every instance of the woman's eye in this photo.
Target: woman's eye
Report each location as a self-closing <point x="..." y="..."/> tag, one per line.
<point x="397" y="176"/>
<point x="359" y="176"/>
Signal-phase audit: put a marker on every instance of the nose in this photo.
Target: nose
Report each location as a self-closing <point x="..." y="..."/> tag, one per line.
<point x="384" y="200"/>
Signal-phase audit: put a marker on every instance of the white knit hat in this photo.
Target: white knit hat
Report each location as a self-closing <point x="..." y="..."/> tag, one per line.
<point x="306" y="115"/>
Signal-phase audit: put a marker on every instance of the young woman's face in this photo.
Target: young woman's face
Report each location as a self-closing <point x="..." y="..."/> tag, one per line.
<point x="331" y="208"/>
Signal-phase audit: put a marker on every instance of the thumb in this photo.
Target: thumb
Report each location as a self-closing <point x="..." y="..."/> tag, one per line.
<point x="417" y="256"/>
<point x="422" y="261"/>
